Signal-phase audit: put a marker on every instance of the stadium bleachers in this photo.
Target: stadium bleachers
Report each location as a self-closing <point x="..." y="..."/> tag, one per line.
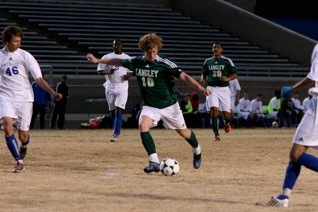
<point x="60" y="33"/>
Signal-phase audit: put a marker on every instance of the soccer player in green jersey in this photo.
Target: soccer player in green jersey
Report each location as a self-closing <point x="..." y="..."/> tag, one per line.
<point x="217" y="71"/>
<point x="154" y="74"/>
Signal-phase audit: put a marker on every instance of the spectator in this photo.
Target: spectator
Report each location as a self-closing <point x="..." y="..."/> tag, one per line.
<point x="288" y="113"/>
<point x="187" y="109"/>
<point x="235" y="89"/>
<point x="59" y="107"/>
<point x="274" y="106"/>
<point x="41" y="99"/>
<point x="256" y="108"/>
<point x="243" y="110"/>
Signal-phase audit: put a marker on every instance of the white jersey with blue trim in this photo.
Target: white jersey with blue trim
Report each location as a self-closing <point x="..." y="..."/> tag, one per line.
<point x="120" y="71"/>
<point x="14" y="71"/>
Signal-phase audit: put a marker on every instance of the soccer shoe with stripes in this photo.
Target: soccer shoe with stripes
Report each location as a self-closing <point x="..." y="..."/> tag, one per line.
<point x="227" y="128"/>
<point x="196" y="161"/>
<point x="23" y="151"/>
<point x="275" y="202"/>
<point x="152" y="167"/>
<point x="18" y="168"/>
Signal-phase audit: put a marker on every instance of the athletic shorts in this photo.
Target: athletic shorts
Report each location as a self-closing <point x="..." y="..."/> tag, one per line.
<point x="307" y="131"/>
<point x="171" y="116"/>
<point x="220" y="98"/>
<point x="116" y="96"/>
<point x="20" y="112"/>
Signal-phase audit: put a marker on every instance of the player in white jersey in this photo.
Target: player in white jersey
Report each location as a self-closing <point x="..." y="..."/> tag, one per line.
<point x="305" y="136"/>
<point x="116" y="86"/>
<point x="235" y="89"/>
<point x="16" y="94"/>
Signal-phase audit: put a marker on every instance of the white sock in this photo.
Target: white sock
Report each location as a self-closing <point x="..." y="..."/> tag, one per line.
<point x="287" y="192"/>
<point x="154" y="157"/>
<point x="197" y="150"/>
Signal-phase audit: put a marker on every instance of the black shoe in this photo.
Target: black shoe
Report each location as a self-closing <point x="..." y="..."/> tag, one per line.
<point x="196" y="161"/>
<point x="152" y="167"/>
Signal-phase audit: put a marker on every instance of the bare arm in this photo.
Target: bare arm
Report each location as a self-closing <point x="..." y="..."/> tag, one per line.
<point x="192" y="82"/>
<point x="304" y="82"/>
<point x="112" y="62"/>
<point x="48" y="88"/>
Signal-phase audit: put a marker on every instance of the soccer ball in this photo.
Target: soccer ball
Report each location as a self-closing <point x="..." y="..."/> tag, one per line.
<point x="169" y="167"/>
<point x="275" y="124"/>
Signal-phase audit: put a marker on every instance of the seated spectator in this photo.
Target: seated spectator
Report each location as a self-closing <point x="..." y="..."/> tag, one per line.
<point x="288" y="113"/>
<point x="243" y="110"/>
<point x="274" y="106"/>
<point x="256" y="107"/>
<point x="187" y="109"/>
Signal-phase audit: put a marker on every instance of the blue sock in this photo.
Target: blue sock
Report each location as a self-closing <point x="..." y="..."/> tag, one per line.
<point x="292" y="173"/>
<point x="13" y="147"/>
<point x="117" y="123"/>
<point x="309" y="161"/>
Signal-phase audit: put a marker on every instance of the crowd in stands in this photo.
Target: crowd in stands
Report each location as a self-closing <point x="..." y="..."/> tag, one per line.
<point x="249" y="113"/>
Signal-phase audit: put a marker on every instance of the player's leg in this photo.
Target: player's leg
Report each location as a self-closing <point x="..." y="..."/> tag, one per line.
<point x="212" y="104"/>
<point x="61" y="119"/>
<point x="34" y="114"/>
<point x="8" y="114"/>
<point x="148" y="118"/>
<point x="120" y="104"/>
<point x="55" y="111"/>
<point x="23" y="131"/>
<point x="224" y="96"/>
<point x="172" y="118"/>
<point x="190" y="137"/>
<point x="298" y="157"/>
<point x="215" y="122"/>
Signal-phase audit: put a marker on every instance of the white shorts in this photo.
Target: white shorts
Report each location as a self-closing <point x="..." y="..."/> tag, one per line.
<point x="21" y="112"/>
<point x="171" y="116"/>
<point x="116" y="96"/>
<point x="220" y="98"/>
<point x="307" y="131"/>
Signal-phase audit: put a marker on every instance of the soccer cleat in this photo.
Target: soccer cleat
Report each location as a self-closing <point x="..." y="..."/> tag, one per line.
<point x="227" y="128"/>
<point x="23" y="152"/>
<point x="196" y="161"/>
<point x="18" y="168"/>
<point x="114" y="138"/>
<point x="217" y="138"/>
<point x="275" y="202"/>
<point x="152" y="167"/>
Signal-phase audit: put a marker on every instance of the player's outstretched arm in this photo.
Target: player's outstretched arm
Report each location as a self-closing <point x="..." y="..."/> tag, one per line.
<point x="112" y="62"/>
<point x="287" y="90"/>
<point x="192" y="82"/>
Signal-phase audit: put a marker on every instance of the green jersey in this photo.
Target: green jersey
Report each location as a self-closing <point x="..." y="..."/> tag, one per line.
<point x="213" y="68"/>
<point x="154" y="79"/>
